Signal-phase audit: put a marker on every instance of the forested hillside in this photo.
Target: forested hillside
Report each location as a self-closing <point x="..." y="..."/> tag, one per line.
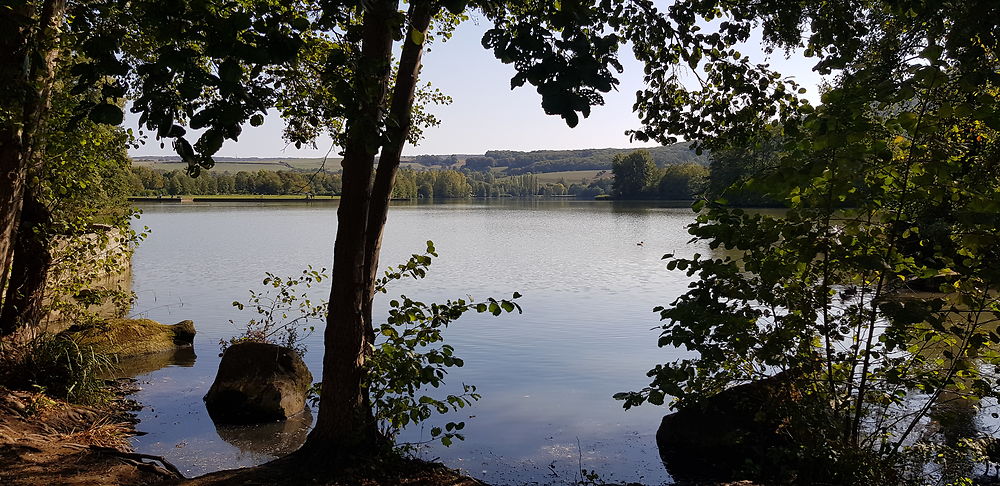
<point x="509" y="162"/>
<point x="543" y="161"/>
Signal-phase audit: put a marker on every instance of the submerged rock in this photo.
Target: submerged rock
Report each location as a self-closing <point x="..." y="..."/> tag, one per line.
<point x="733" y="435"/>
<point x="133" y="337"/>
<point x="258" y="382"/>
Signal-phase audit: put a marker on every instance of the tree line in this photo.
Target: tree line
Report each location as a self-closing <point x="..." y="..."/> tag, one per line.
<point x="676" y="182"/>
<point x="636" y="176"/>
<point x="152" y="182"/>
<point x="541" y="161"/>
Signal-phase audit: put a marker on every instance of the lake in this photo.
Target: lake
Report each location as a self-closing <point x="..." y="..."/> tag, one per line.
<point x="546" y="376"/>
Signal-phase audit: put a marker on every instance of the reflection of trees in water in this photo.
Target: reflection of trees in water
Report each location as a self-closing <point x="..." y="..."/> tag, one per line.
<point x="643" y="208"/>
<point x="273" y="438"/>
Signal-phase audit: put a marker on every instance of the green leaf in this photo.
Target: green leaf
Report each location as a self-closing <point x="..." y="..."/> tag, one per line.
<point x="932" y="53"/>
<point x="456" y="6"/>
<point x="416" y="36"/>
<point x="210" y="142"/>
<point x="107" y="114"/>
<point x="230" y="71"/>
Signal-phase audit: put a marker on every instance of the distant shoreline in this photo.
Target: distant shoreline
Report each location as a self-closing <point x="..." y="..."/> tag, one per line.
<point x="233" y="198"/>
<point x="256" y="198"/>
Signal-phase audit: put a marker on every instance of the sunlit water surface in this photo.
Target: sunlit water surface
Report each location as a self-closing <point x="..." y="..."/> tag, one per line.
<point x="547" y="376"/>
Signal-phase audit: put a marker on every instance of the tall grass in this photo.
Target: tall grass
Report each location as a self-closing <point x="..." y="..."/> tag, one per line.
<point x="58" y="366"/>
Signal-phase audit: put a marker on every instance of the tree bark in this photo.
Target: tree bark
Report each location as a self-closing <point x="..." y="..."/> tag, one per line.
<point x="345" y="426"/>
<point x="22" y="306"/>
<point x="398" y="126"/>
<point x="23" y="107"/>
<point x="15" y="34"/>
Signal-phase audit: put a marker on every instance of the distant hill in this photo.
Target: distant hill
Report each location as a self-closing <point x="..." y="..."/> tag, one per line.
<point x="237" y="164"/>
<point x="509" y="162"/>
<point x="513" y="162"/>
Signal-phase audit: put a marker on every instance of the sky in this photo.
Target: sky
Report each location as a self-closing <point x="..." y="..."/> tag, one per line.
<point x="485" y="113"/>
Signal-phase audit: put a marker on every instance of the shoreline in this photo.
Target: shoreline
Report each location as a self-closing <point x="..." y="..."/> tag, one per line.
<point x="300" y="199"/>
<point x="48" y="441"/>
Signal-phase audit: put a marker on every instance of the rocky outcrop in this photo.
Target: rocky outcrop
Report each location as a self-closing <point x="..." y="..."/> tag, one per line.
<point x="258" y="382"/>
<point x="133" y="337"/>
<point x="736" y="434"/>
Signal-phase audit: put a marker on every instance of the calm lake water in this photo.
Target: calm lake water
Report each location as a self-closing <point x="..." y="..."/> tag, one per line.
<point x="546" y="376"/>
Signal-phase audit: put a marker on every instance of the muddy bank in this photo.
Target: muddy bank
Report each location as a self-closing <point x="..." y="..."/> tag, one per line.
<point x="388" y="472"/>
<point x="46" y="442"/>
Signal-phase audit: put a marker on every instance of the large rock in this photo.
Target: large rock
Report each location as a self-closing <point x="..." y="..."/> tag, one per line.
<point x="133" y="337"/>
<point x="740" y="433"/>
<point x="258" y="382"/>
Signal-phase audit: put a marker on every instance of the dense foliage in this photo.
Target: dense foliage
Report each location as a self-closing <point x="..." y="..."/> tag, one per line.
<point x="876" y="289"/>
<point x="541" y="161"/>
<point x="75" y="235"/>
<point x="635" y="175"/>
<point x="681" y="182"/>
<point x="152" y="182"/>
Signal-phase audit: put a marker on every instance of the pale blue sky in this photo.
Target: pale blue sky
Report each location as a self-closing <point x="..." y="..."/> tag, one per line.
<point x="486" y="114"/>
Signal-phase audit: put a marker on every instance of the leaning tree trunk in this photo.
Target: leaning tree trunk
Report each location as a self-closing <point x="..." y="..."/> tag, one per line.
<point x="23" y="303"/>
<point x="344" y="425"/>
<point x="399" y="122"/>
<point x="27" y="85"/>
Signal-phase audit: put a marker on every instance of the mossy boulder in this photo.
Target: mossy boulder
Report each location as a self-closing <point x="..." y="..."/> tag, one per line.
<point x="133" y="337"/>
<point x="258" y="382"/>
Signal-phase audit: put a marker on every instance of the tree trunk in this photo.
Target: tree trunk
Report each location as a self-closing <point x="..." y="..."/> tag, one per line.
<point x="399" y="123"/>
<point x="14" y="46"/>
<point x="22" y="306"/>
<point x="12" y="175"/>
<point x="344" y="425"/>
<point x="27" y="88"/>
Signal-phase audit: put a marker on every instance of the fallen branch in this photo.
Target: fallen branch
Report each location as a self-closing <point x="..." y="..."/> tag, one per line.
<point x="137" y="459"/>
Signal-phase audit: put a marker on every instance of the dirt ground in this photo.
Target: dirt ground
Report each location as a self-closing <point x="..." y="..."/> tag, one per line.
<point x="47" y="442"/>
<point x="44" y="442"/>
<point x="402" y="472"/>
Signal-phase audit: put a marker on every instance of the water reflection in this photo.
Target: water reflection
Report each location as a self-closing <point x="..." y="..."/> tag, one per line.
<point x="273" y="439"/>
<point x="183" y="356"/>
<point x="585" y="334"/>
